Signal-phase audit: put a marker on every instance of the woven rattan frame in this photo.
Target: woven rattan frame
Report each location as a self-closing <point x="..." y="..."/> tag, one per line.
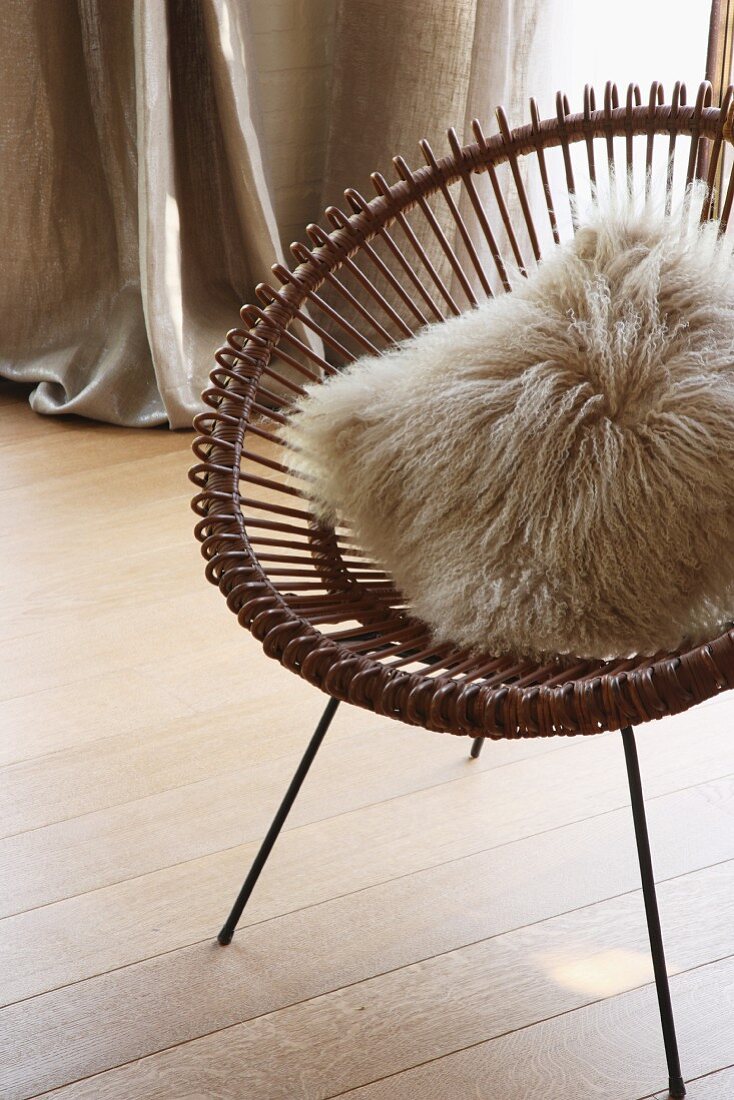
<point x="306" y="592"/>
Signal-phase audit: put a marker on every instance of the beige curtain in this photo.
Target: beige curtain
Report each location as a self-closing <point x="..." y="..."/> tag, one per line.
<point x="158" y="155"/>
<point x="136" y="209"/>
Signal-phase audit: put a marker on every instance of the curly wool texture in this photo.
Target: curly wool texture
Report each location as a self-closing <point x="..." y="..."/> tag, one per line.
<point x="553" y="471"/>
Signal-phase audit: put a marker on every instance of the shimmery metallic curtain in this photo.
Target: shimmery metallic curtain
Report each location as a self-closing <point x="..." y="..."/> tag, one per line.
<point x="158" y="155"/>
<point x="136" y="213"/>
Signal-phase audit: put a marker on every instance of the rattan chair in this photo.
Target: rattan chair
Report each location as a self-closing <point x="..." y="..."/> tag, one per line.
<point x="425" y="248"/>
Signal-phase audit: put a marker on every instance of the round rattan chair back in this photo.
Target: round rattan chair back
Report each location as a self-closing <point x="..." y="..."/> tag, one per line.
<point x="435" y="242"/>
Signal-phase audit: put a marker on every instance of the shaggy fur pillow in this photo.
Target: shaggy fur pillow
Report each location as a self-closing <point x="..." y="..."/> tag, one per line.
<point x="552" y="472"/>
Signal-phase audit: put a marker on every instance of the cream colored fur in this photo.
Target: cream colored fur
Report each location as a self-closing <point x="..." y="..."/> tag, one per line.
<point x="552" y="472"/>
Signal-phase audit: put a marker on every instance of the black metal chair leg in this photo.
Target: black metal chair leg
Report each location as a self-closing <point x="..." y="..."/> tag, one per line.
<point x="476" y="746"/>
<point x="676" y="1085"/>
<point x="227" y="932"/>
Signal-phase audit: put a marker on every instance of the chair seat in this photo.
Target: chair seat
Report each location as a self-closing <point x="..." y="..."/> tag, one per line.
<point x="310" y="595"/>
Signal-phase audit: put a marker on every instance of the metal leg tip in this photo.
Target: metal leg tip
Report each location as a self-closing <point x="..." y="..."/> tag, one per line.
<point x="225" y="937"/>
<point x="476" y="747"/>
<point x="676" y="1088"/>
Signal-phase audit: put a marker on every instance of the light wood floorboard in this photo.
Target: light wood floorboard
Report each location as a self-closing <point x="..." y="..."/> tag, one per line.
<point x="412" y="1013"/>
<point x="714" y="1086"/>
<point x="427" y="926"/>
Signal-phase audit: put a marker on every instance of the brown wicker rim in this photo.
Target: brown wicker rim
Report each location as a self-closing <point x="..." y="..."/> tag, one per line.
<point x="291" y="582"/>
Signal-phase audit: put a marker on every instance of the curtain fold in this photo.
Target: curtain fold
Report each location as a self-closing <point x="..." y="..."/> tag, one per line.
<point x="157" y="156"/>
<point x="137" y="213"/>
<point x="69" y="290"/>
<point x="207" y="227"/>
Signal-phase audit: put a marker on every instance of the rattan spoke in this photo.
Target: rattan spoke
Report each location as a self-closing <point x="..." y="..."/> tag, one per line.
<point x="314" y="599"/>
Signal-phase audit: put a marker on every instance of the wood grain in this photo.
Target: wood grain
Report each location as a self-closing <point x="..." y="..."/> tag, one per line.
<point x="136" y="765"/>
<point x="73" y="446"/>
<point x="71" y="715"/>
<point x="610" y="1051"/>
<point x="110" y="642"/>
<point x="209" y="748"/>
<point x="714" y="1086"/>
<point x="392" y="1021"/>
<point x="513" y="791"/>
<point x="518" y="882"/>
<point x="194" y="820"/>
<point x="416" y="904"/>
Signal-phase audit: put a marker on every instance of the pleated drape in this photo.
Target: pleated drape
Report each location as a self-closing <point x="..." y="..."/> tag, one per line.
<point x="157" y="156"/>
<point x="137" y="214"/>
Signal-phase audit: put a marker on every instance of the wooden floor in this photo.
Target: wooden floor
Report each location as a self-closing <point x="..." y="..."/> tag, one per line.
<point x="429" y="928"/>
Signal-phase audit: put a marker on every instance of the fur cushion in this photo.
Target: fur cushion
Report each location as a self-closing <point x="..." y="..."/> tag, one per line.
<point x="552" y="472"/>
